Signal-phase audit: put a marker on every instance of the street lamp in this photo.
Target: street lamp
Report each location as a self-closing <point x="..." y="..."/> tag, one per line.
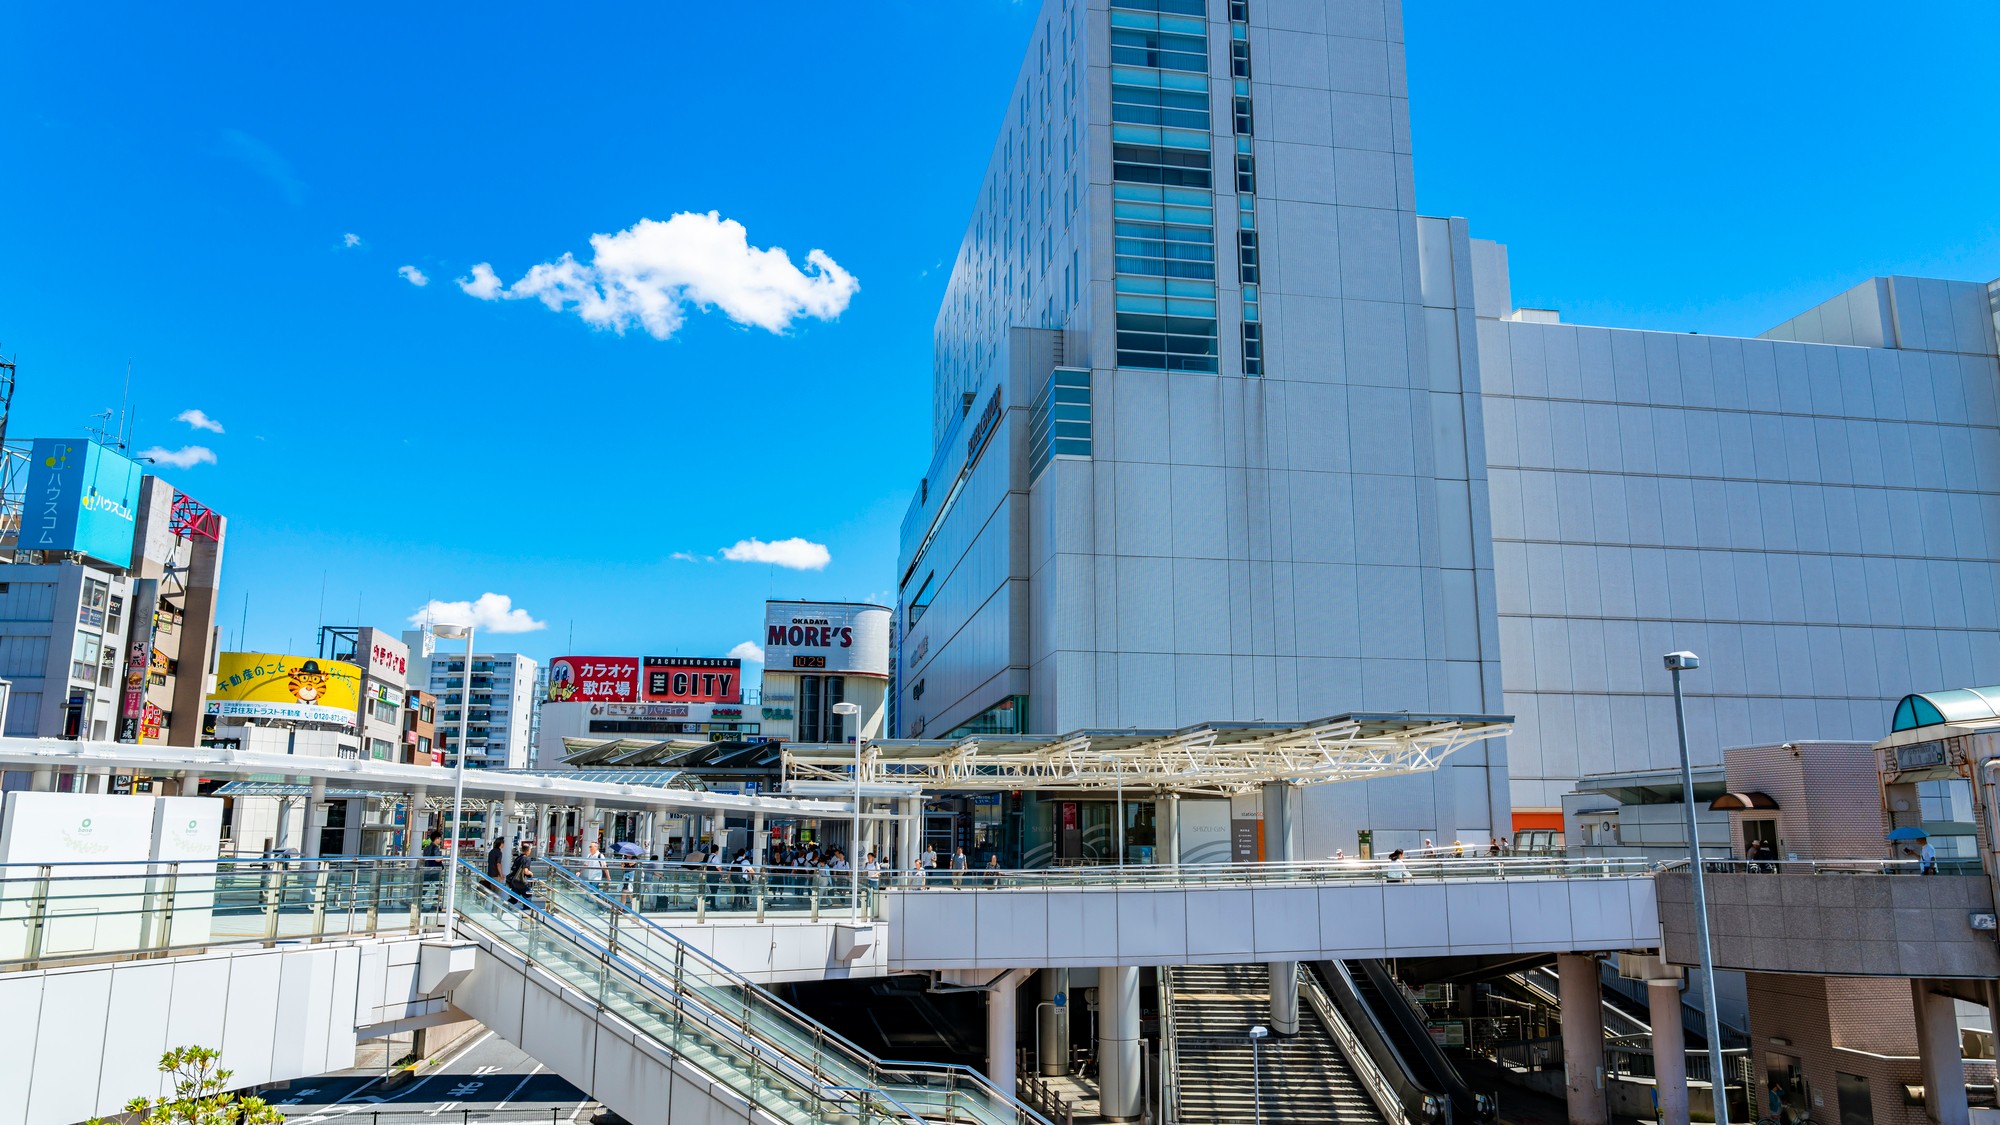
<point x="1678" y="662"/>
<point x="1257" y="1036"/>
<point x="852" y="712"/>
<point x="452" y="633"/>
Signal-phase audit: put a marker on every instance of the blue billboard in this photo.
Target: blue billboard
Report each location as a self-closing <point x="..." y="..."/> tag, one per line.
<point x="81" y="497"/>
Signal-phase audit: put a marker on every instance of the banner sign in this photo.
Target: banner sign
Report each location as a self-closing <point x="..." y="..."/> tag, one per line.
<point x="259" y="685"/>
<point x="594" y="679"/>
<point x="693" y="679"/>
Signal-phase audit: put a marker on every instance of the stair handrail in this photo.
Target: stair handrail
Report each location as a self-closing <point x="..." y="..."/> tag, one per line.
<point x="1380" y="1091"/>
<point x="873" y="1066"/>
<point x="801" y="1077"/>
<point x="1170" y="1062"/>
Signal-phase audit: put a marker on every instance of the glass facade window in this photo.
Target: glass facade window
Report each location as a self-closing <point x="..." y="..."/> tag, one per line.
<point x="814" y="714"/>
<point x="1059" y="424"/>
<point x="1009" y="716"/>
<point x="84" y="654"/>
<point x="1163" y="206"/>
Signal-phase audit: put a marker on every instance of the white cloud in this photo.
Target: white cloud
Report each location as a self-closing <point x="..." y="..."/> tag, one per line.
<point x="793" y="553"/>
<point x="186" y="457"/>
<point x="199" y="420"/>
<point x="690" y="556"/>
<point x="350" y="240"/>
<point x="650" y="273"/>
<point x="413" y="275"/>
<point x="492" y="613"/>
<point x="749" y="651"/>
<point x="483" y="284"/>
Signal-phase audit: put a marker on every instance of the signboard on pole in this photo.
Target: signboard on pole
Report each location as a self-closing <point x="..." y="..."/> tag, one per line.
<point x="138" y="661"/>
<point x="80" y="497"/>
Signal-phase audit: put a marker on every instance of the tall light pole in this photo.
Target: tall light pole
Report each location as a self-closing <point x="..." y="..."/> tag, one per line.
<point x="1678" y="662"/>
<point x="1257" y="1035"/>
<point x="851" y="712"/>
<point x="452" y="633"/>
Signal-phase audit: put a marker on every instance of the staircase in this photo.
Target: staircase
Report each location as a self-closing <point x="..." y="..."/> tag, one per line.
<point x="1305" y="1080"/>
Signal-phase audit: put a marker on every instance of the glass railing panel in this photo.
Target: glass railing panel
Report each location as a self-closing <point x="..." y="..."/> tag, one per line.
<point x="950" y="1093"/>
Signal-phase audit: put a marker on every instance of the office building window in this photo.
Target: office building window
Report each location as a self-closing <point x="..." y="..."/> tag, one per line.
<point x="1239" y="58"/>
<point x="1059" y="423"/>
<point x="1253" y="348"/>
<point x="1243" y="122"/>
<point x="1246" y="257"/>
<point x="84" y="654"/>
<point x="1246" y="173"/>
<point x="817" y="721"/>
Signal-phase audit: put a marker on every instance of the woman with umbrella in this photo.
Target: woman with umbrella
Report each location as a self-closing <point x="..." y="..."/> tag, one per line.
<point x="629" y="852"/>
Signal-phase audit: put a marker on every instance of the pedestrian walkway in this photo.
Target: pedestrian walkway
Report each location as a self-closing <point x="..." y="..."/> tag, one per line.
<point x="1519" y="1105"/>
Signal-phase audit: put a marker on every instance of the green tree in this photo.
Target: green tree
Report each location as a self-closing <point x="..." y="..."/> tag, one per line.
<point x="201" y="1095"/>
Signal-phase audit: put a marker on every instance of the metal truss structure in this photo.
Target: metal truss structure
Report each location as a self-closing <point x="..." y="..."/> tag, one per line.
<point x="1215" y="759"/>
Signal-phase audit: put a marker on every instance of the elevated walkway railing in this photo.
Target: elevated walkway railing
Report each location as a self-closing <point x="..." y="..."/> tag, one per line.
<point x="1314" y="872"/>
<point x="937" y="1091"/>
<point x="53" y="914"/>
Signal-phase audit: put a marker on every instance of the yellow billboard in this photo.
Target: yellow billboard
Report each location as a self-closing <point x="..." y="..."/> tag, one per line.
<point x="260" y="685"/>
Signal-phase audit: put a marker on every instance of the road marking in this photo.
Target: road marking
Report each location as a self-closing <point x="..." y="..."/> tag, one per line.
<point x="579" y="1109"/>
<point x="517" y="1088"/>
<point x="376" y="1099"/>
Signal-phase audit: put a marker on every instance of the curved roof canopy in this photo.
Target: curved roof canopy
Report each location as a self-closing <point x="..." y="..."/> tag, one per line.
<point x="1737" y="802"/>
<point x="1936" y="708"/>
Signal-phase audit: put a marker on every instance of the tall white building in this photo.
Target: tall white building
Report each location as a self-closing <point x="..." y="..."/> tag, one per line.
<point x="501" y="701"/>
<point x="1225" y="430"/>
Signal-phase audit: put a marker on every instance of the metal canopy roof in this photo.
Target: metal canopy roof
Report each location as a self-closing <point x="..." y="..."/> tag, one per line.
<point x="686" y="754"/>
<point x="1212" y="758"/>
<point x="648" y="790"/>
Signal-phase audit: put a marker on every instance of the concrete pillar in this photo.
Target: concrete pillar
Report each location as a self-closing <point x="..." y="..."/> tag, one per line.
<point x="1281" y="845"/>
<point x="1285" y="998"/>
<point x="414" y="818"/>
<point x="1118" y="1064"/>
<point x="509" y="829"/>
<point x="1002" y="1020"/>
<point x="1938" y="1048"/>
<point x="43" y="780"/>
<point x="350" y="833"/>
<point x="315" y="797"/>
<point x="586" y="826"/>
<point x="1167" y="829"/>
<point x="757" y="839"/>
<point x="1052" y="1024"/>
<point x="910" y="834"/>
<point x="1582" y="1038"/>
<point x="190" y="783"/>
<point x="1663" y="1011"/>
<point x="284" y="834"/>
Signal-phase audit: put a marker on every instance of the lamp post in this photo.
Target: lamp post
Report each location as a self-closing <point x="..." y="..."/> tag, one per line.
<point x="452" y="633"/>
<point x="1678" y="662"/>
<point x="851" y="712"/>
<point x="1257" y="1036"/>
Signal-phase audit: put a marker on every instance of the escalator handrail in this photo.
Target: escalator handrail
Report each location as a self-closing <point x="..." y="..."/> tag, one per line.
<point x="801" y="1076"/>
<point x="1413" y="1090"/>
<point x="1388" y="1101"/>
<point x="871" y="1064"/>
<point x="1419" y="1037"/>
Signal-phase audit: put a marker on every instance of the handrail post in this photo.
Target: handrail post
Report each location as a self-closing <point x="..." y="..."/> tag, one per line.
<point x="167" y="905"/>
<point x="319" y="902"/>
<point x="38" y="914"/>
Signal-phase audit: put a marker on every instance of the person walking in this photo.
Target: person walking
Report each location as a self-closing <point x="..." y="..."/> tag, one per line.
<point x="593" y="866"/>
<point x="873" y="870"/>
<point x="1927" y="858"/>
<point x="1396" y="871"/>
<point x="927" y="861"/>
<point x="993" y="870"/>
<point x="496" y="859"/>
<point x="958" y="862"/>
<point x="521" y="880"/>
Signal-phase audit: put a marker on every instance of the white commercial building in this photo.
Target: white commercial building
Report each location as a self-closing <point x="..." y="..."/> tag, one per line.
<point x="818" y="655"/>
<point x="502" y="700"/>
<point x="1225" y="430"/>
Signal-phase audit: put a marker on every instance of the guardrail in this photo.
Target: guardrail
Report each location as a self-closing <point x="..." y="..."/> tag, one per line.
<point x="1856" y="866"/>
<point x="1267" y="874"/>
<point x="72" y="912"/>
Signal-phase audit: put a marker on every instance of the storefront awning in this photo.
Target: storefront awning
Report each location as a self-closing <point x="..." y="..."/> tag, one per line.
<point x="1737" y="802"/>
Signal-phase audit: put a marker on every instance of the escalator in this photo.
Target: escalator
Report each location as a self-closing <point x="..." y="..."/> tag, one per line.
<point x="1392" y="1029"/>
<point x="696" y="1013"/>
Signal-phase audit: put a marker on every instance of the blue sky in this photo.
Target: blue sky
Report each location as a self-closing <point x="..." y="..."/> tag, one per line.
<point x="180" y="186"/>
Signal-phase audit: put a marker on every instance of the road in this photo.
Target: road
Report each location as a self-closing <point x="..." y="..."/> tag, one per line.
<point x="486" y="1080"/>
